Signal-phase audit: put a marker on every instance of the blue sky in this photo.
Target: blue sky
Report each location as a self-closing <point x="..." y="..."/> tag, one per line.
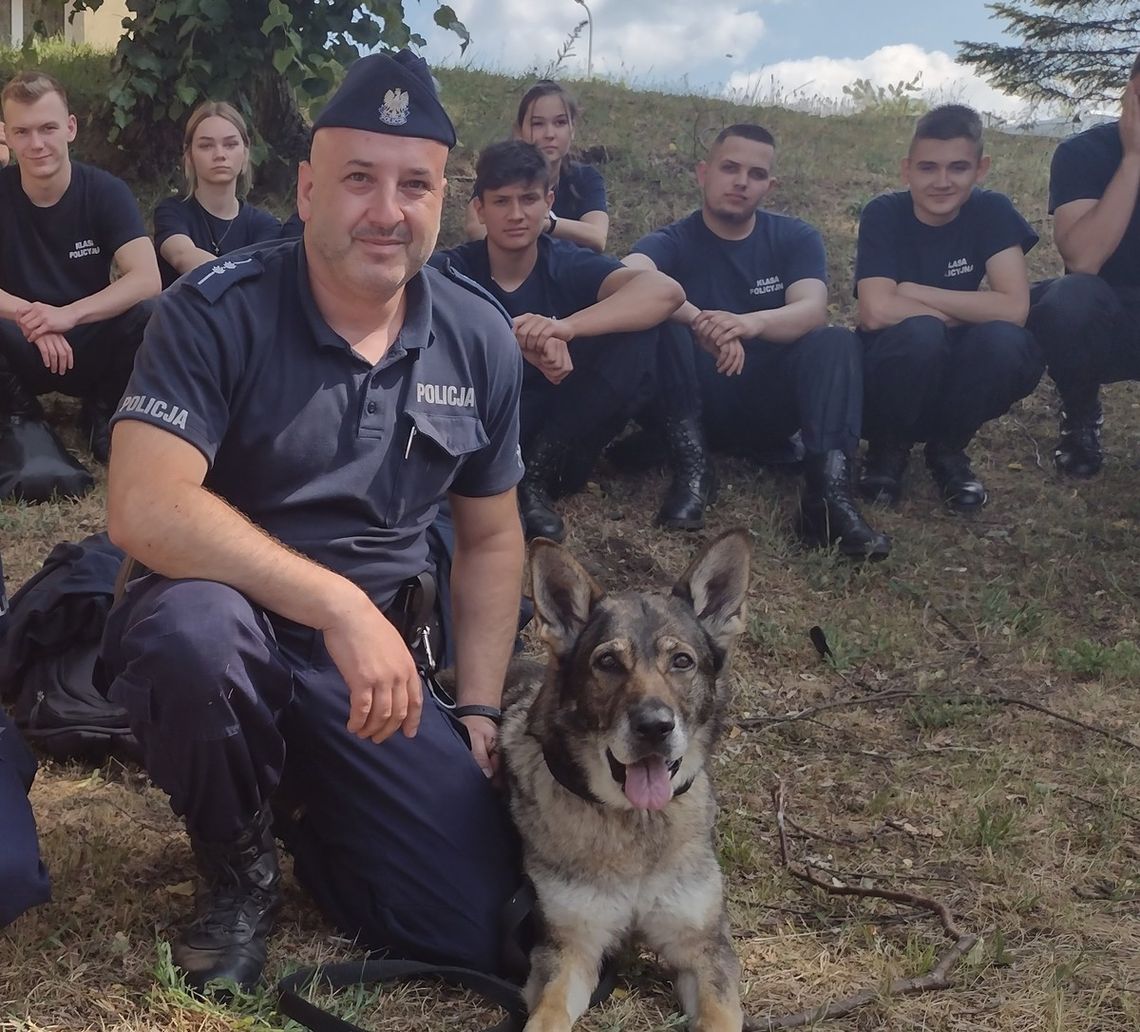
<point x="773" y="46"/>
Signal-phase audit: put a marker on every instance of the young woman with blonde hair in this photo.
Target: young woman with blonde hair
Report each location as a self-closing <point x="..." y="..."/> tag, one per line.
<point x="212" y="220"/>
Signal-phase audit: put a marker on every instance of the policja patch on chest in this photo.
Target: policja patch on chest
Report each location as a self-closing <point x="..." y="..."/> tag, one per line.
<point x="445" y="394"/>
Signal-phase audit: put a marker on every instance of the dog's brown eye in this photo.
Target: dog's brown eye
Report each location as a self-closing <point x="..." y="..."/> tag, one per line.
<point x="683" y="661"/>
<point x="607" y="661"/>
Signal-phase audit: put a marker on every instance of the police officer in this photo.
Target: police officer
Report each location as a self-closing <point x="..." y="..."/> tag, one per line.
<point x="64" y="326"/>
<point x="577" y="317"/>
<point x="752" y="340"/>
<point x="296" y="415"/>
<point x="1088" y="322"/>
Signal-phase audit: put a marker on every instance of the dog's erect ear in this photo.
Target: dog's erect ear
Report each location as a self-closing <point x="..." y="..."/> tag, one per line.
<point x="716" y="584"/>
<point x="563" y="593"/>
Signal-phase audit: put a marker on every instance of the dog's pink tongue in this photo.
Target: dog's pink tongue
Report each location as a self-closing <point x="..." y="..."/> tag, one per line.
<point x="647" y="783"/>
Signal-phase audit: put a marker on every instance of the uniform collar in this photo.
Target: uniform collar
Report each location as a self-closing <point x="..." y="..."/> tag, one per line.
<point x="415" y="334"/>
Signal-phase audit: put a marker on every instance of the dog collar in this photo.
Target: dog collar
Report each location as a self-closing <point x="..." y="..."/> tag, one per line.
<point x="568" y="776"/>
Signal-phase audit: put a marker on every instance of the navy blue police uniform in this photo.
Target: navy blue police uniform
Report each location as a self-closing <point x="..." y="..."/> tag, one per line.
<point x="184" y="216"/>
<point x="405" y="845"/>
<point x="1089" y="326"/>
<point x="813" y="384"/>
<point x="58" y="255"/>
<point x="611" y="372"/>
<point x="23" y="879"/>
<point x="580" y="189"/>
<point x="924" y="380"/>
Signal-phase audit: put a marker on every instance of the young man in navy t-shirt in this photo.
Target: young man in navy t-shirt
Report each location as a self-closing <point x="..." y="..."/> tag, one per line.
<point x="942" y="356"/>
<point x="749" y="358"/>
<point x="578" y="317"/>
<point x="1088" y="322"/>
<point x="64" y="326"/>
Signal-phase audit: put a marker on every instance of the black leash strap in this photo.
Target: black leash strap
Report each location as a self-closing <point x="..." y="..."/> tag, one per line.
<point x="364" y="972"/>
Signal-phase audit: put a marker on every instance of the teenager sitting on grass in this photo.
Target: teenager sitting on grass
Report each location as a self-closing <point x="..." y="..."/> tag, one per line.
<point x="64" y="326"/>
<point x="211" y="220"/>
<point x="580" y="319"/>
<point x="941" y="355"/>
<point x="546" y="117"/>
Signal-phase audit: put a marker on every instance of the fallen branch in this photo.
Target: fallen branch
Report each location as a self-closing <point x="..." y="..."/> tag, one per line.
<point x="936" y="979"/>
<point x="751" y="723"/>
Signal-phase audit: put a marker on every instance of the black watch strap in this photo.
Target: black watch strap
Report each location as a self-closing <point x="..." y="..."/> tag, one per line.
<point x="475" y="710"/>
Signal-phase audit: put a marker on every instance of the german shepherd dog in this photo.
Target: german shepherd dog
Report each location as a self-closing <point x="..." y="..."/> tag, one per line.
<point x="605" y="760"/>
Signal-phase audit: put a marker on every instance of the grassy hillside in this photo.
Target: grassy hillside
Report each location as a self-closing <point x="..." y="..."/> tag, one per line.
<point x="925" y="766"/>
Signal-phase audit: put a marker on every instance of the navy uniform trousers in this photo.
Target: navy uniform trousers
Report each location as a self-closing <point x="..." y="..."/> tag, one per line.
<point x="23" y="880"/>
<point x="1089" y="332"/>
<point x="104" y="354"/>
<point x="611" y="379"/>
<point x="926" y="381"/>
<point x="813" y="384"/>
<point x="405" y="846"/>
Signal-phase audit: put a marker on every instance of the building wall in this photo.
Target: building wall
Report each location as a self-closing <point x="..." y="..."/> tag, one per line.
<point x="101" y="28"/>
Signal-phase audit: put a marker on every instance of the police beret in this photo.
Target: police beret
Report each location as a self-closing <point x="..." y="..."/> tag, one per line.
<point x="389" y="93"/>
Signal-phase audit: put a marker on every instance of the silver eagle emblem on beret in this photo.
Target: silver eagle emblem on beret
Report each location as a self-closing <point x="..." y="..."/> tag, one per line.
<point x="394" y="110"/>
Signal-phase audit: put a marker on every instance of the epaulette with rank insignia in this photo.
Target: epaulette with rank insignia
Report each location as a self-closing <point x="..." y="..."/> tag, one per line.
<point x="211" y="281"/>
<point x="476" y="288"/>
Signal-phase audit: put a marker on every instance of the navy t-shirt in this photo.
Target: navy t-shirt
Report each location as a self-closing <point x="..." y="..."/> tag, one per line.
<point x="185" y="216"/>
<point x="1082" y="168"/>
<point x="63" y="253"/>
<point x="342" y="460"/>
<point x="565" y="279"/>
<point x="895" y="245"/>
<point x="740" y="276"/>
<point x="580" y="189"/>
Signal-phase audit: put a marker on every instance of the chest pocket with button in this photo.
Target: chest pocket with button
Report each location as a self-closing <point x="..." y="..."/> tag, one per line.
<point x="432" y="449"/>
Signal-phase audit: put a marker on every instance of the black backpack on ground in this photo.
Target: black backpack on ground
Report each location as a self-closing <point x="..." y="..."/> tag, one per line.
<point x="49" y="650"/>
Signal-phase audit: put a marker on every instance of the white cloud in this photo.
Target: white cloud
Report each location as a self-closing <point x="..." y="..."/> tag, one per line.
<point x="640" y="41"/>
<point x="943" y="80"/>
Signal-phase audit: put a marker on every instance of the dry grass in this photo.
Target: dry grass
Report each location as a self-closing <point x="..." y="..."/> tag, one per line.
<point x="1029" y="828"/>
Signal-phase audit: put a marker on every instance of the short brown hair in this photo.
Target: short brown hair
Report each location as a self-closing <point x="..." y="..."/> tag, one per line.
<point x="950" y="122"/>
<point x="29" y="86"/>
<point x="208" y="109"/>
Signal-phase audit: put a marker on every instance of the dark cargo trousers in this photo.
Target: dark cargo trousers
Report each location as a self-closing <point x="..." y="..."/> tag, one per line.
<point x="813" y="384"/>
<point x="1089" y="332"/>
<point x="926" y="381"/>
<point x="405" y="845"/>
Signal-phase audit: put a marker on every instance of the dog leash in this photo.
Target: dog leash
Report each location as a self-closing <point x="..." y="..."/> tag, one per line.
<point x="293" y="1005"/>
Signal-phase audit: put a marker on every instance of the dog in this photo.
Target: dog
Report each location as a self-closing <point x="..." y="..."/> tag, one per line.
<point x="605" y="759"/>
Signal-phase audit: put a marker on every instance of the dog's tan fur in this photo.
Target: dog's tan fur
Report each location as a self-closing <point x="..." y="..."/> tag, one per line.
<point x="635" y="682"/>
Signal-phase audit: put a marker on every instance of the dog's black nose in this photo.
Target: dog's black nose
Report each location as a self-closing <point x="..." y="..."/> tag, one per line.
<point x="652" y="721"/>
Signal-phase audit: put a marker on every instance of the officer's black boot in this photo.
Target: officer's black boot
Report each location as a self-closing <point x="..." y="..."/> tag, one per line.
<point x="881" y="478"/>
<point x="237" y="904"/>
<point x="694" y="479"/>
<point x="1078" y="452"/>
<point x="536" y="505"/>
<point x="828" y="514"/>
<point x="961" y="489"/>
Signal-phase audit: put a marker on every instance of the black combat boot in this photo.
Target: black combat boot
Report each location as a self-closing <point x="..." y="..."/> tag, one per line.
<point x="694" y="479"/>
<point x="236" y="908"/>
<point x="884" y="466"/>
<point x="961" y="489"/>
<point x="828" y="514"/>
<point x="1078" y="452"/>
<point x="16" y="401"/>
<point x="536" y="489"/>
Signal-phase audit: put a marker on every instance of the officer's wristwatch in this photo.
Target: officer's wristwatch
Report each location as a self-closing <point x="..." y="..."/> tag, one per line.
<point x="552" y="221"/>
